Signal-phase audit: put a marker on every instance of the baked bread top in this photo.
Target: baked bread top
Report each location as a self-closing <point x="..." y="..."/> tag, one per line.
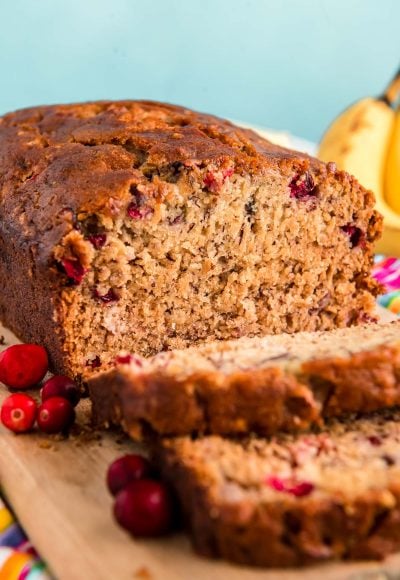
<point x="57" y="156"/>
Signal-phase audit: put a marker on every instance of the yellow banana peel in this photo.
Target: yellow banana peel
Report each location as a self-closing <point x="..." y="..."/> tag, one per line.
<point x="392" y="173"/>
<point x="365" y="141"/>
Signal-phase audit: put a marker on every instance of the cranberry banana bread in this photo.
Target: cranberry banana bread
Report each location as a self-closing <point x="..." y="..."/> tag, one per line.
<point x="285" y="382"/>
<point x="144" y="226"/>
<point x="291" y="500"/>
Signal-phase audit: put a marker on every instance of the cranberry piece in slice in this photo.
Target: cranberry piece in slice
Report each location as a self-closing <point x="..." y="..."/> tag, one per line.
<point x="23" y="365"/>
<point x="97" y="240"/>
<point x="126" y="469"/>
<point x="145" y="508"/>
<point x="18" y="413"/>
<point x="211" y="182"/>
<point x="94" y="363"/>
<point x="123" y="359"/>
<point x="109" y="296"/>
<point x="227" y="173"/>
<point x="60" y="386"/>
<point x="55" y="415"/>
<point x="296" y="488"/>
<point x="356" y="235"/>
<point x="138" y="213"/>
<point x="302" y="187"/>
<point x="74" y="270"/>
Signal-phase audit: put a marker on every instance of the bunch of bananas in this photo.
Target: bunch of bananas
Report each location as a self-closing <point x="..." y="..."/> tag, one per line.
<point x="365" y="141"/>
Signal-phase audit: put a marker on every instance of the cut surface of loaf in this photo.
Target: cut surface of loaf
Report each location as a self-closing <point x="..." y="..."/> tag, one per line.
<point x="143" y="226"/>
<point x="291" y="500"/>
<point x="284" y="382"/>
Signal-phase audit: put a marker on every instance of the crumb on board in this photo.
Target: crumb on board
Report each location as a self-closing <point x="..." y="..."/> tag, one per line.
<point x="47" y="444"/>
<point x="143" y="573"/>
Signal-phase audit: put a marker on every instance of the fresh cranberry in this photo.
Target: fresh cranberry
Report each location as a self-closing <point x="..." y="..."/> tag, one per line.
<point x="302" y="187"/>
<point x="18" y="413"/>
<point x="60" y="386"/>
<point x="296" y="488"/>
<point x="126" y="469"/>
<point x="55" y="415"/>
<point x="97" y="240"/>
<point x="144" y="508"/>
<point x="94" y="363"/>
<point x="23" y="365"/>
<point x="356" y="235"/>
<point x="110" y="296"/>
<point x="74" y="270"/>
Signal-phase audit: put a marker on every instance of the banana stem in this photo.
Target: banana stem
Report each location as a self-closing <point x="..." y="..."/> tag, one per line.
<point x="392" y="91"/>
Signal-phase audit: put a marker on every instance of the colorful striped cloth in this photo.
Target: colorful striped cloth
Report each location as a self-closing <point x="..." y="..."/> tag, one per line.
<point x="387" y="272"/>
<point x="18" y="558"/>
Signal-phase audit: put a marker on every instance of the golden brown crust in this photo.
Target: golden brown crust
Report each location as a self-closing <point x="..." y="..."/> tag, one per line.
<point x="261" y="401"/>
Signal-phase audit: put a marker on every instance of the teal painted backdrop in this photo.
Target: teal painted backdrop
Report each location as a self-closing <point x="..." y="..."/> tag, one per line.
<point x="290" y="64"/>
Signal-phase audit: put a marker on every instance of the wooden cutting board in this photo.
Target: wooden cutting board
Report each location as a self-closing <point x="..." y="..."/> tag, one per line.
<point x="58" y="492"/>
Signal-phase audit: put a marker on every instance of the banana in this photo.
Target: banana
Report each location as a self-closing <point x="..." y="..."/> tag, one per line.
<point x="392" y="173"/>
<point x="359" y="141"/>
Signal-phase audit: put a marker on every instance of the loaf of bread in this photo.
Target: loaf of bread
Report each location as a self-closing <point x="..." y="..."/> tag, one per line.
<point x="291" y="500"/>
<point x="144" y="226"/>
<point x="285" y="382"/>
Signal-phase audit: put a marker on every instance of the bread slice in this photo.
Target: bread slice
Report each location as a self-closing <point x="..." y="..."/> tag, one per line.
<point x="290" y="500"/>
<point x="284" y="382"/>
<point x="143" y="226"/>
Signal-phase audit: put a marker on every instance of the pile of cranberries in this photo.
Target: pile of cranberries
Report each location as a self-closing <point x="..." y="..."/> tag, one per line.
<point x="143" y="505"/>
<point x="24" y="366"/>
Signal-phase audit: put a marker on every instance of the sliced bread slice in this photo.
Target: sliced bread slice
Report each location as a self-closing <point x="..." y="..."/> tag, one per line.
<point x="286" y="382"/>
<point x="291" y="500"/>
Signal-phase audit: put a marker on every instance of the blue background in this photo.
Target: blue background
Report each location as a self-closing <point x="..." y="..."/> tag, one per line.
<point x="290" y="64"/>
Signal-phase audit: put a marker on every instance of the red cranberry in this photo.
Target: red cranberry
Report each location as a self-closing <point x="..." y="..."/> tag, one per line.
<point x="94" y="363"/>
<point x="55" y="415"/>
<point x="110" y="296"/>
<point x="61" y="386"/>
<point x="126" y="359"/>
<point x="144" y="508"/>
<point x="126" y="469"/>
<point x="302" y="187"/>
<point x="97" y="240"/>
<point x="227" y="173"/>
<point x="74" y="270"/>
<point x="123" y="359"/>
<point x="23" y="365"/>
<point x="18" y="413"/>
<point x="296" y="488"/>
<point x="212" y="183"/>
<point x="137" y="213"/>
<point x="356" y="235"/>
